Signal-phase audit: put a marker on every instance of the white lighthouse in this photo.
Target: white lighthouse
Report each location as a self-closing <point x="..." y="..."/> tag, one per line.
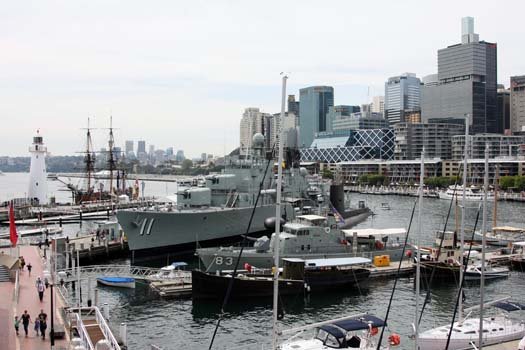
<point x="37" y="172"/>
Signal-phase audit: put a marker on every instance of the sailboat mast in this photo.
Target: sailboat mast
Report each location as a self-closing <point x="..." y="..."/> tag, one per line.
<point x="463" y="213"/>
<point x="278" y="220"/>
<point x="496" y="190"/>
<point x="89" y="158"/>
<point x="418" y="250"/>
<point x="483" y="244"/>
<point x="111" y="160"/>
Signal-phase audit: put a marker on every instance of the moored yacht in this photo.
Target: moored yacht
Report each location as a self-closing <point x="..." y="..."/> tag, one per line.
<point x="472" y="193"/>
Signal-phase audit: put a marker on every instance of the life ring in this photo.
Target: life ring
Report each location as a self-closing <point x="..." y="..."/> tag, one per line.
<point x="327" y="229"/>
<point x="394" y="339"/>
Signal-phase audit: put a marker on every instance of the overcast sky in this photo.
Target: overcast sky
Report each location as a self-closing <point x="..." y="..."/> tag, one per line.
<point x="180" y="73"/>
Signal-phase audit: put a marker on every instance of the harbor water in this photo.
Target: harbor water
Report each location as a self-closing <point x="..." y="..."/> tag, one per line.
<point x="182" y="324"/>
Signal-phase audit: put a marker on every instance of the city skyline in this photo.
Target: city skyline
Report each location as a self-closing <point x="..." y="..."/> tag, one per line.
<point x="169" y="80"/>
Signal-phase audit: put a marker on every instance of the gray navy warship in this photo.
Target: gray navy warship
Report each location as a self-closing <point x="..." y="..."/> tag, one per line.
<point x="220" y="210"/>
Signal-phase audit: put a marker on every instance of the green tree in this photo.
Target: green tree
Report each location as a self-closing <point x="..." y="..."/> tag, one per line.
<point x="327" y="173"/>
<point x="363" y="179"/>
<point x="186" y="164"/>
<point x="506" y="182"/>
<point x="519" y="183"/>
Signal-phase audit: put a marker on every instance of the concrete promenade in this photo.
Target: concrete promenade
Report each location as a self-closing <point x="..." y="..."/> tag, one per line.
<point x="28" y="300"/>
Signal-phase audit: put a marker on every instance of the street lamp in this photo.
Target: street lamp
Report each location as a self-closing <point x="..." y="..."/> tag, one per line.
<point x="52" y="330"/>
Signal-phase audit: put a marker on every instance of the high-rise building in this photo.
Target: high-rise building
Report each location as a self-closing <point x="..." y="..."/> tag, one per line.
<point x="410" y="138"/>
<point x="359" y="120"/>
<point x="141" y="147"/>
<point x="151" y="150"/>
<point x="129" y="148"/>
<point x="336" y="112"/>
<point x="378" y="104"/>
<point x="503" y="109"/>
<point x="466" y="83"/>
<point x="402" y="96"/>
<point x="253" y="121"/>
<point x="288" y="126"/>
<point x="313" y="109"/>
<point x="293" y="105"/>
<point x="179" y="157"/>
<point x="517" y="103"/>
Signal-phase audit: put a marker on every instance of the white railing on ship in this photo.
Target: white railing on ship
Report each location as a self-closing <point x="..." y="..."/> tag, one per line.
<point x="82" y="332"/>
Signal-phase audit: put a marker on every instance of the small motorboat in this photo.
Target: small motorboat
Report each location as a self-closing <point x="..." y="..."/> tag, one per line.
<point x="121" y="282"/>
<point x="174" y="272"/>
<point x="385" y="206"/>
<point x="473" y="272"/>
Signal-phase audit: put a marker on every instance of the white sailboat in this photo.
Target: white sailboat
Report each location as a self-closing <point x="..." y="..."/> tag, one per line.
<point x="474" y="333"/>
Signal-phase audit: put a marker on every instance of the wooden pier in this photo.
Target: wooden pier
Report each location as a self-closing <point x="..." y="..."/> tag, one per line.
<point x="407" y="269"/>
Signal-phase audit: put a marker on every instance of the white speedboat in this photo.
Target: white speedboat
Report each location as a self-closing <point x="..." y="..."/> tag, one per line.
<point x="385" y="206"/>
<point x="473" y="272"/>
<point x="174" y="271"/>
<point x="121" y="282"/>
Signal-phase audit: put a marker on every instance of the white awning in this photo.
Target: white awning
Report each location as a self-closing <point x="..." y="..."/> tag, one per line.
<point x="365" y="232"/>
<point x="330" y="262"/>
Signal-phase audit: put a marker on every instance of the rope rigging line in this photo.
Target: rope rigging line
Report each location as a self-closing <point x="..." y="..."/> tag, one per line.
<point x="460" y="291"/>
<point x="429" y="280"/>
<point x="232" y="279"/>
<point x="397" y="276"/>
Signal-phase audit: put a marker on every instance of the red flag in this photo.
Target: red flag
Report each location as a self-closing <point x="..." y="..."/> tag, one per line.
<point x="13" y="235"/>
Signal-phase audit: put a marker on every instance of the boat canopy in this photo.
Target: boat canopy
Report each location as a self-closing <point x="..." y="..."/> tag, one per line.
<point x="510" y="306"/>
<point x="336" y="328"/>
<point x="311" y="217"/>
<point x="330" y="262"/>
<point x="366" y="232"/>
<point x="520" y="244"/>
<point x="179" y="264"/>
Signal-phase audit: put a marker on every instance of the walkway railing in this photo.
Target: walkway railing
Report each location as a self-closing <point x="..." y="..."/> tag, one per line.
<point x="136" y="272"/>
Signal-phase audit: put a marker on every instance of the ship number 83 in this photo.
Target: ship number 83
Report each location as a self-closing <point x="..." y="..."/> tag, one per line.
<point x="219" y="260"/>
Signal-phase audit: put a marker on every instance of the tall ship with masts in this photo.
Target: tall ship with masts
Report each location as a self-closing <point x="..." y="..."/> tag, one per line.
<point x="220" y="210"/>
<point x="92" y="189"/>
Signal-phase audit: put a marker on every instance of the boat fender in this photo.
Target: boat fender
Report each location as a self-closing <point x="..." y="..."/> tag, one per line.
<point x="327" y="229"/>
<point x="373" y="330"/>
<point x="379" y="245"/>
<point x="307" y="288"/>
<point x="394" y="339"/>
<point x="408" y="253"/>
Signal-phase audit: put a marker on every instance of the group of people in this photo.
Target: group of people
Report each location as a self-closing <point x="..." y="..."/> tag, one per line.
<point x="40" y="323"/>
<point x="22" y="263"/>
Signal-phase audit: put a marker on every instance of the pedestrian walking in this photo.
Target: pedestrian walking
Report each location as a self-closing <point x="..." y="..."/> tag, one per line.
<point x="29" y="267"/>
<point x="37" y="327"/>
<point x="22" y="262"/>
<point x="25" y="321"/>
<point x="46" y="282"/>
<point x="42" y="317"/>
<point x="17" y="324"/>
<point x="40" y="287"/>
